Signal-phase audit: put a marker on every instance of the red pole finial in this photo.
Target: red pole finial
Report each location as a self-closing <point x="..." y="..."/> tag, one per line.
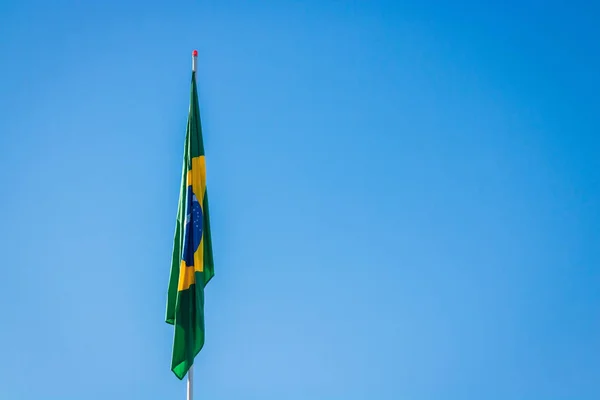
<point x="195" y="53"/>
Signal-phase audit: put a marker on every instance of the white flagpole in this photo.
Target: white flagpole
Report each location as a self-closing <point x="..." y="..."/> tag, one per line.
<point x="190" y="374"/>
<point x="190" y="383"/>
<point x="194" y="60"/>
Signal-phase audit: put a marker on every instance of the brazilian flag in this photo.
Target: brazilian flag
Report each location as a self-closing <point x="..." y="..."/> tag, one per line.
<point x="192" y="264"/>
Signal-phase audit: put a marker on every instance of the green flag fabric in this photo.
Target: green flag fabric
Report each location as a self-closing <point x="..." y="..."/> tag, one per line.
<point x="192" y="264"/>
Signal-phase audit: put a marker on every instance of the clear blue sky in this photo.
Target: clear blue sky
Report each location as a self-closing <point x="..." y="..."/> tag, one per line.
<point x="405" y="198"/>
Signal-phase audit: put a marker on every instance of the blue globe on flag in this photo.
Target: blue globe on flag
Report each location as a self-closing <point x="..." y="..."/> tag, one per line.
<point x="193" y="227"/>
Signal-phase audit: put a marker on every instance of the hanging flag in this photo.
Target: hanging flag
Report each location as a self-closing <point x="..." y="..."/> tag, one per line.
<point x="192" y="264"/>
